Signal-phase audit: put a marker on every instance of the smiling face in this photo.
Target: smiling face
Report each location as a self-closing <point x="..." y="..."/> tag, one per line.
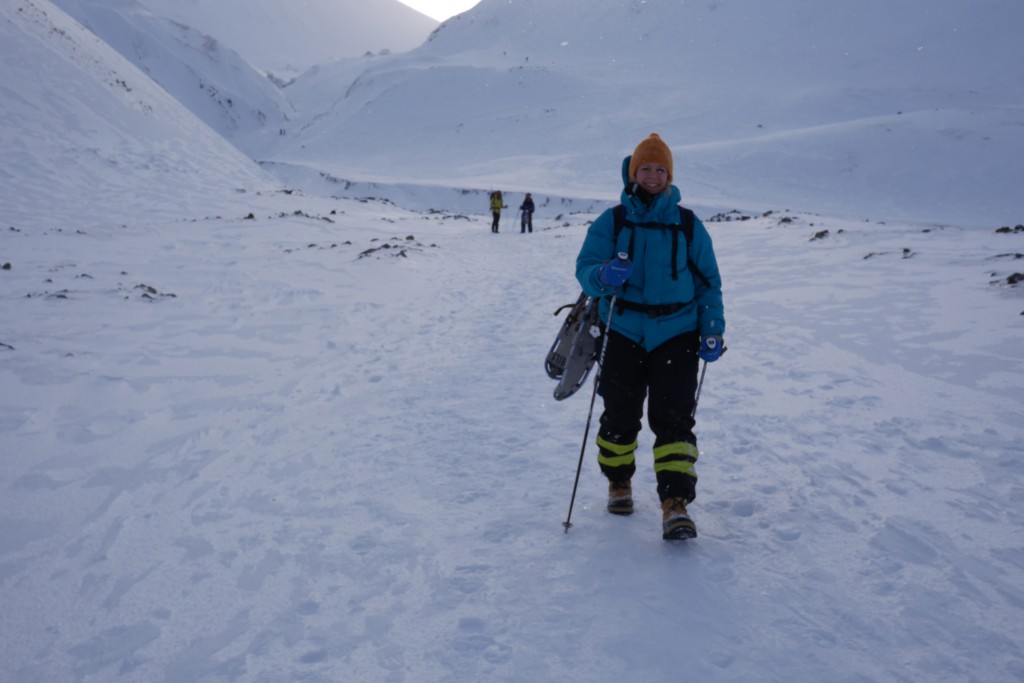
<point x="654" y="156"/>
<point x="652" y="177"/>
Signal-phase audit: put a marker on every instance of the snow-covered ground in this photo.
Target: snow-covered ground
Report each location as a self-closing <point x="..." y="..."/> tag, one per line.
<point x="321" y="446"/>
<point x="299" y="429"/>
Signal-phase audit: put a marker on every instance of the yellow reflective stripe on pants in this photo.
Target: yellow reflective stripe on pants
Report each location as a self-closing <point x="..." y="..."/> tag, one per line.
<point x="615" y="454"/>
<point x="676" y="457"/>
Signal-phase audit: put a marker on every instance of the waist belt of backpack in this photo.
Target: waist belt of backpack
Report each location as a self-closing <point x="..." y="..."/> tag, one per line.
<point x="652" y="310"/>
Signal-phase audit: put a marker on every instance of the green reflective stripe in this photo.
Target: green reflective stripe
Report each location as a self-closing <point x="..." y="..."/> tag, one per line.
<point x="615" y="454"/>
<point x="616" y="448"/>
<point x="680" y="448"/>
<point x="617" y="461"/>
<point x="681" y="466"/>
<point x="679" y="456"/>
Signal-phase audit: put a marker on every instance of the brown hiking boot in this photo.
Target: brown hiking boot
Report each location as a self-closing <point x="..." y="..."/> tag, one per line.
<point x="620" y="497"/>
<point x="676" y="524"/>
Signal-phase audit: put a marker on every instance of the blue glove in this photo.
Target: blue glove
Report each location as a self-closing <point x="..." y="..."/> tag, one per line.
<point x="710" y="348"/>
<point x="614" y="273"/>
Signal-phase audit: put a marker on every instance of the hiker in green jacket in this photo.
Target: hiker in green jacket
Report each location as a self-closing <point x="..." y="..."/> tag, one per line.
<point x="497" y="204"/>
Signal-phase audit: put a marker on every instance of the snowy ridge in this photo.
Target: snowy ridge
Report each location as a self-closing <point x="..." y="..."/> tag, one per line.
<point x="208" y="78"/>
<point x="76" y="112"/>
<point x="287" y="37"/>
<point x="788" y="103"/>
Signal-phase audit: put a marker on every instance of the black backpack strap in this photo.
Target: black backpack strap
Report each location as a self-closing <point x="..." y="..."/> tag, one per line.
<point x="687" y="221"/>
<point x="675" y="247"/>
<point x="619" y="214"/>
<point x="686" y="226"/>
<point x="651" y="310"/>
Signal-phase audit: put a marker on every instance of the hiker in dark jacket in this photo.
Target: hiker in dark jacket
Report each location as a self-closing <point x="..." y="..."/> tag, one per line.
<point x="527" y="208"/>
<point x="667" y="317"/>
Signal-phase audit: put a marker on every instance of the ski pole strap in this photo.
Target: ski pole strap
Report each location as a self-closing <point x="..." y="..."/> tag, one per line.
<point x="652" y="310"/>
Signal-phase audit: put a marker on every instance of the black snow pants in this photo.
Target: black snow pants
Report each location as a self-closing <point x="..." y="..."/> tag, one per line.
<point x="667" y="378"/>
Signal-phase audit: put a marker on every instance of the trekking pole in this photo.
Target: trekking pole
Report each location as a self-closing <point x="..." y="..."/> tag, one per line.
<point x="696" y="398"/>
<point x="586" y="432"/>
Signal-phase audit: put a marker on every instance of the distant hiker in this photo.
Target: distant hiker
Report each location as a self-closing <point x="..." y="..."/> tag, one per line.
<point x="668" y="316"/>
<point x="527" y="208"/>
<point x="496" y="206"/>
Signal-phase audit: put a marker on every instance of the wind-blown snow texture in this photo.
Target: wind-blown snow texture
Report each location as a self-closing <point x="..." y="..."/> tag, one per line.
<point x="249" y="434"/>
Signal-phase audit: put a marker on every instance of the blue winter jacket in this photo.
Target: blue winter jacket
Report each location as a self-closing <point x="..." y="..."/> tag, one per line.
<point x="651" y="282"/>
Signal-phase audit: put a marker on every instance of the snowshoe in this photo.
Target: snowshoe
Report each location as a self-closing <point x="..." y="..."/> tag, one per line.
<point x="575" y="348"/>
<point x="554" y="364"/>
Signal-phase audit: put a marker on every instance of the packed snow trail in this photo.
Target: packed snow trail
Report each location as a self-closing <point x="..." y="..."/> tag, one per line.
<point x="311" y="465"/>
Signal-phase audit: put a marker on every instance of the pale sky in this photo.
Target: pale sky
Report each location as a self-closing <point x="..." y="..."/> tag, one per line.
<point x="440" y="9"/>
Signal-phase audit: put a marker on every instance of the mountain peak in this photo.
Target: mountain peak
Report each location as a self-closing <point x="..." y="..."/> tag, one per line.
<point x="290" y="36"/>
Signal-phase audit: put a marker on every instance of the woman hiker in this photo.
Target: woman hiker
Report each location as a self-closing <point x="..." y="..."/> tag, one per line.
<point x="668" y="316"/>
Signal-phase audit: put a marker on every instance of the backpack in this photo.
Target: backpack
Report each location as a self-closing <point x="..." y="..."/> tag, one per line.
<point x="686" y="225"/>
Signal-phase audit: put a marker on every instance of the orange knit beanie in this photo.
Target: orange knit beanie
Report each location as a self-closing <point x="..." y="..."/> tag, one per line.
<point x="651" y="150"/>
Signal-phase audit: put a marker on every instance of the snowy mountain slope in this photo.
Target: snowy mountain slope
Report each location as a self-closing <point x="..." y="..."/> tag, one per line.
<point x="313" y="93"/>
<point x="291" y="37"/>
<point x="249" y="435"/>
<point x="841" y="101"/>
<point x="82" y="130"/>
<point x="319" y="445"/>
<point x="209" y="79"/>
